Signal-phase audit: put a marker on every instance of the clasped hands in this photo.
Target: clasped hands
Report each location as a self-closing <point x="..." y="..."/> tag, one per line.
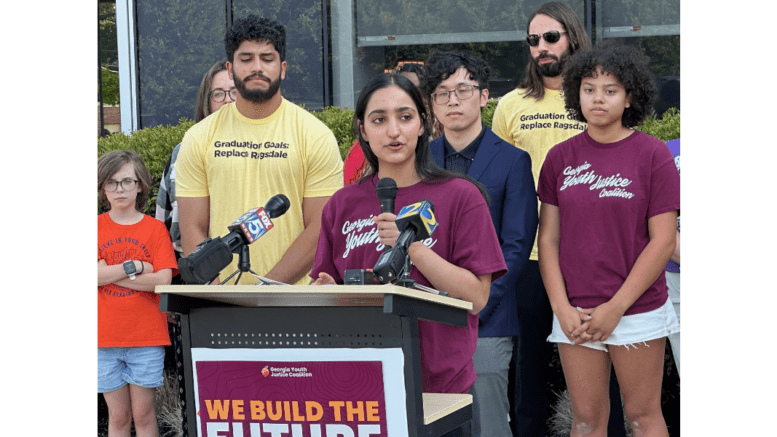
<point x="581" y="325"/>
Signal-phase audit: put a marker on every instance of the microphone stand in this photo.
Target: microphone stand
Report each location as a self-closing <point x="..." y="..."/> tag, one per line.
<point x="244" y="265"/>
<point x="405" y="281"/>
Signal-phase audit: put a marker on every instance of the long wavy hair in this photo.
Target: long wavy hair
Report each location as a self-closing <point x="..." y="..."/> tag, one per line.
<point x="202" y="108"/>
<point x="425" y="167"/>
<point x="578" y="40"/>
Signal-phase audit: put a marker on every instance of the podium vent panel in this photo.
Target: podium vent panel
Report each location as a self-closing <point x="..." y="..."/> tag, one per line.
<point x="263" y="327"/>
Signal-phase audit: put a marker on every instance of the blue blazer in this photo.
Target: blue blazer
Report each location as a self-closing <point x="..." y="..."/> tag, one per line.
<point x="505" y="171"/>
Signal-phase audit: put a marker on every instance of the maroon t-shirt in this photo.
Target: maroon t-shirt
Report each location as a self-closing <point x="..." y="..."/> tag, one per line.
<point x="605" y="194"/>
<point x="464" y="237"/>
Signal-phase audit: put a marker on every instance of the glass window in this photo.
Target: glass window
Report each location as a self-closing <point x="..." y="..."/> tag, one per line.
<point x="392" y="31"/>
<point x="177" y="43"/>
<point x="653" y="26"/>
<point x="303" y="20"/>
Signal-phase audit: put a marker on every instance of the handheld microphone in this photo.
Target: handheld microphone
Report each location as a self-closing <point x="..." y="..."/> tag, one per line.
<point x="416" y="222"/>
<point x="387" y="192"/>
<point x="205" y="263"/>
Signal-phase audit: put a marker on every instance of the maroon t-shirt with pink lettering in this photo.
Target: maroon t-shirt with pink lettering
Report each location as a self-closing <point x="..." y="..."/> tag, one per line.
<point x="464" y="237"/>
<point x="605" y="194"/>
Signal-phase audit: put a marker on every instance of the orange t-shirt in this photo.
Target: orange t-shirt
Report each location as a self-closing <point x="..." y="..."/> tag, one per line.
<point x="126" y="317"/>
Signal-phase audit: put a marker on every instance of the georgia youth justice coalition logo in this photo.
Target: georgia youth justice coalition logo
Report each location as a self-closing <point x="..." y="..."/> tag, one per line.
<point x="612" y="186"/>
<point x="286" y="372"/>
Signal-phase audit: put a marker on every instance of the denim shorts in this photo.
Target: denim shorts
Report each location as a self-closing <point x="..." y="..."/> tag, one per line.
<point x="636" y="328"/>
<point x="118" y="366"/>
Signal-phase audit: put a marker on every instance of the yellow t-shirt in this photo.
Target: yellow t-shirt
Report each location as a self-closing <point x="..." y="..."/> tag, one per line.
<point x="534" y="126"/>
<point x="240" y="163"/>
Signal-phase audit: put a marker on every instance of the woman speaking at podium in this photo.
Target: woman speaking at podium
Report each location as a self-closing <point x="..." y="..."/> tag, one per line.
<point x="461" y="257"/>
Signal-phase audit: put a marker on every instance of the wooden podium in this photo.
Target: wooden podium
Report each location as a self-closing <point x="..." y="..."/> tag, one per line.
<point x="320" y="317"/>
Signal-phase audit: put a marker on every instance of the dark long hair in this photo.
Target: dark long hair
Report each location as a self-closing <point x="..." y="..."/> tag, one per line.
<point x="425" y="167"/>
<point x="578" y="40"/>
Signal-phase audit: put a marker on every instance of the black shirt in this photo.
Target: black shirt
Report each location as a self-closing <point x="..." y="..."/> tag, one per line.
<point x="459" y="162"/>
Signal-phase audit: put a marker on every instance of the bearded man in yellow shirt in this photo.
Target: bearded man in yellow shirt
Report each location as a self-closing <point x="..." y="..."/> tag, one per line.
<point x="250" y="150"/>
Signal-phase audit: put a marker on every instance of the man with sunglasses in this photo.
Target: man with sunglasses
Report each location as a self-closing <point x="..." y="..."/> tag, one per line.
<point x="458" y="86"/>
<point x="533" y="118"/>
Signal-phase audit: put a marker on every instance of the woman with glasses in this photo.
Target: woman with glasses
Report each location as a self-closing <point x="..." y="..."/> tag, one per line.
<point x="216" y="90"/>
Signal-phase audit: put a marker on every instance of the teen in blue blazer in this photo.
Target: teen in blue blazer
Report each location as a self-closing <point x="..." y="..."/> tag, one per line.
<point x="505" y="170"/>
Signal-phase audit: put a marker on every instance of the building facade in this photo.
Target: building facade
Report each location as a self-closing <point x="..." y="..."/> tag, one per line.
<point x="335" y="46"/>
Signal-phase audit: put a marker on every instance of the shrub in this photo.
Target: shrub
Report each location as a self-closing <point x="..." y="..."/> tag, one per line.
<point x="668" y="128"/>
<point x="487" y="114"/>
<point x="340" y="121"/>
<point x="154" y="145"/>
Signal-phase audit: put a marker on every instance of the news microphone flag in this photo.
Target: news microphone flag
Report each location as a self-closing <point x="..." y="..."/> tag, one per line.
<point x="419" y="214"/>
<point x="253" y="224"/>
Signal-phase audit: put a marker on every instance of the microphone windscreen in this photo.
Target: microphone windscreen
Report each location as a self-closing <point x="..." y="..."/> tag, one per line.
<point x="277" y="205"/>
<point x="386" y="189"/>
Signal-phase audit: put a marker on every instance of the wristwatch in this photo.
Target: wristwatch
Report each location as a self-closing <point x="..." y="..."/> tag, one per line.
<point x="129" y="269"/>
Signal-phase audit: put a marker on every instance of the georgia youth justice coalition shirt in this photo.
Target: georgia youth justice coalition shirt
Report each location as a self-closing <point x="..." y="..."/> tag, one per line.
<point x="465" y="237"/>
<point x="605" y="194"/>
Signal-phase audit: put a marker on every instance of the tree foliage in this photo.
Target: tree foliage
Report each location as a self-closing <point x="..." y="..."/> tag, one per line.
<point x="110" y="87"/>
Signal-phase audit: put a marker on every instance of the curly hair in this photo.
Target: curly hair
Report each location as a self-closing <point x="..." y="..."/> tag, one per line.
<point x="441" y="65"/>
<point x="628" y="64"/>
<point x="255" y="28"/>
<point x="110" y="164"/>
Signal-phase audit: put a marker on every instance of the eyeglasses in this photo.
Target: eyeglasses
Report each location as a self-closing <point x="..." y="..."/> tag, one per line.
<point x="463" y="92"/>
<point x="551" y="36"/>
<point x="218" y="95"/>
<point x="126" y="185"/>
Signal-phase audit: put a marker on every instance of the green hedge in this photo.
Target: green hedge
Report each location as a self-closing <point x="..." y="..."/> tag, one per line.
<point x="665" y="129"/>
<point x="155" y="144"/>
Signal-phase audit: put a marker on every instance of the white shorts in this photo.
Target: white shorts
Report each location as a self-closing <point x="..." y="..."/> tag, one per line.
<point x="636" y="328"/>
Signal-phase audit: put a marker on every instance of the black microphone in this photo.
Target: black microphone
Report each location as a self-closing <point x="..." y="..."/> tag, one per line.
<point x="387" y="192"/>
<point x="214" y="254"/>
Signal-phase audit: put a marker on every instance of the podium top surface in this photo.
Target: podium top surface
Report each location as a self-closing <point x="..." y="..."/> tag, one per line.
<point x="438" y="405"/>
<point x="305" y="295"/>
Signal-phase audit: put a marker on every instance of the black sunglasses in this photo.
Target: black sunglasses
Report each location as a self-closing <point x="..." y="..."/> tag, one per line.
<point x="551" y="36"/>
